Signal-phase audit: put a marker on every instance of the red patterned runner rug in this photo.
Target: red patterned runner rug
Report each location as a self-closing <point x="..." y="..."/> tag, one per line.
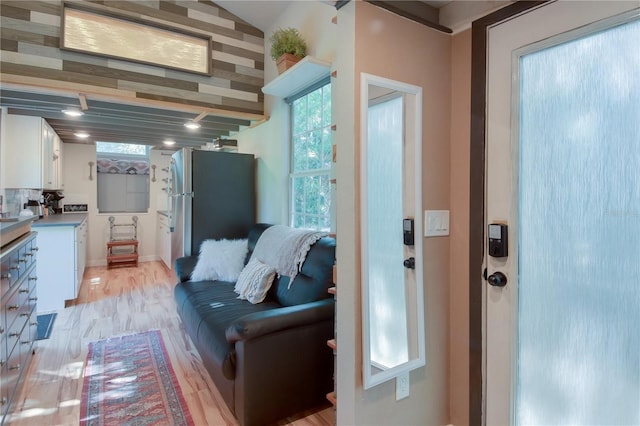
<point x="129" y="380"/>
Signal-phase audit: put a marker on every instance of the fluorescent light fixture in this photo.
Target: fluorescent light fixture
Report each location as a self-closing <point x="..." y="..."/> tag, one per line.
<point x="72" y="112"/>
<point x="82" y="135"/>
<point x="169" y="142"/>
<point x="192" y="125"/>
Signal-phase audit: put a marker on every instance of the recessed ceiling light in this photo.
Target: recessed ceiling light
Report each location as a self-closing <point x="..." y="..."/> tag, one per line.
<point x="192" y="125"/>
<point x="82" y="135"/>
<point x="72" y="112"/>
<point x="169" y="142"/>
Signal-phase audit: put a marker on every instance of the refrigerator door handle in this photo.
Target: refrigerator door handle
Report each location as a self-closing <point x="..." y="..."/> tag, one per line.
<point x="172" y="217"/>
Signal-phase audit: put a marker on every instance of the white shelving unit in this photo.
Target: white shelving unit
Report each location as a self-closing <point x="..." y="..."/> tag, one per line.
<point x="308" y="71"/>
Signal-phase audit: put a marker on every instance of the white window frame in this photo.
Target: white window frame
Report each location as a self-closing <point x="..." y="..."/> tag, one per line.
<point x="320" y="173"/>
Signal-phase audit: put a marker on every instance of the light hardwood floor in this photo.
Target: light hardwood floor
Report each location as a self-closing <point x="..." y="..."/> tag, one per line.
<point x="111" y="303"/>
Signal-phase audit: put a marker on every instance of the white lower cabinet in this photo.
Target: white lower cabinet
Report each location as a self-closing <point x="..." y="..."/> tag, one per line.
<point x="61" y="262"/>
<point x="163" y="240"/>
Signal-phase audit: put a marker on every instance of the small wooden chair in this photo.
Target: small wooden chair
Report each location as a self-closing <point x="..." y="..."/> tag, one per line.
<point x="122" y="248"/>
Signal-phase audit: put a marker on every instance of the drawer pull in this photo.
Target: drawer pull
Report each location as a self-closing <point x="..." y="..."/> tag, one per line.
<point x="3" y="401"/>
<point x="23" y="260"/>
<point x="23" y="290"/>
<point x="2" y="362"/>
<point x="33" y="299"/>
<point x="1" y="330"/>
<point x="13" y="307"/>
<point x="14" y="268"/>
<point x="24" y="314"/>
<point x="6" y="276"/>
<point x="28" y="254"/>
<point x="26" y="342"/>
<point x="33" y="324"/>
<point x="15" y="367"/>
<point x="33" y="278"/>
<point x="14" y="334"/>
<point x="35" y="249"/>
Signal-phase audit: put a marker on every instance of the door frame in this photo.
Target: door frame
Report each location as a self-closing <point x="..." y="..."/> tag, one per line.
<point x="479" y="32"/>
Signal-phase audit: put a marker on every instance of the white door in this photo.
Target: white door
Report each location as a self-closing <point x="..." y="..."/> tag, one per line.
<point x="563" y="172"/>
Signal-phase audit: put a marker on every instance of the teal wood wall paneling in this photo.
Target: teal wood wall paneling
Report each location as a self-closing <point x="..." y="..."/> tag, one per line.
<point x="30" y="47"/>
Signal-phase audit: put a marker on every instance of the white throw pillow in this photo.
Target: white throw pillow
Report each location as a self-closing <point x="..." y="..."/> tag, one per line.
<point x="254" y="281"/>
<point x="220" y="260"/>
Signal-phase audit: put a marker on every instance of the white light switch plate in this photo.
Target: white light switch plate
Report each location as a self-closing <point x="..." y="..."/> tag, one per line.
<point x="402" y="386"/>
<point x="436" y="223"/>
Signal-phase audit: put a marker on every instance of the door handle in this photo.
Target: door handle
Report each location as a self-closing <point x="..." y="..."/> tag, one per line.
<point x="410" y="263"/>
<point x="497" y="279"/>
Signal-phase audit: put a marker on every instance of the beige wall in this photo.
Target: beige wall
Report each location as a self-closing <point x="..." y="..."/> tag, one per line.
<point x="390" y="46"/>
<point x="459" y="228"/>
<point x="348" y="372"/>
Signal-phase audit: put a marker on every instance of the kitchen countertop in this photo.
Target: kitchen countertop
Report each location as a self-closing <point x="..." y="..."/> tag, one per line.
<point x="10" y="226"/>
<point x="66" y="219"/>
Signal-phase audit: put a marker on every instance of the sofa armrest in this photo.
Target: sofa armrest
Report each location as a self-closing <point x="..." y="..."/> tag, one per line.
<point x="273" y="320"/>
<point x="184" y="266"/>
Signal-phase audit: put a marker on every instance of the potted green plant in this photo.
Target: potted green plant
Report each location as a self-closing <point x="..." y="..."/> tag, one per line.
<point x="287" y="48"/>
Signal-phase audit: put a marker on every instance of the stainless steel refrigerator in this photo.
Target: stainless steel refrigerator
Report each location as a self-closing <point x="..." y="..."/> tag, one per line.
<point x="212" y="196"/>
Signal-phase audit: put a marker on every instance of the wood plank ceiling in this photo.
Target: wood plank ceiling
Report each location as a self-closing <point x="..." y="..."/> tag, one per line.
<point x="119" y="122"/>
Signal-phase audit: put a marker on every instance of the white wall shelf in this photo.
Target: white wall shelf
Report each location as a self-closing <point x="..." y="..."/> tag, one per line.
<point x="308" y="71"/>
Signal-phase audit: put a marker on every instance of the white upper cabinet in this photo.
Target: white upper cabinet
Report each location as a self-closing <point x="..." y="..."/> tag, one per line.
<point x="32" y="154"/>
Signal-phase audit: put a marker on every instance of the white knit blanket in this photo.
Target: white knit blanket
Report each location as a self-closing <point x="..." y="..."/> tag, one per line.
<point x="285" y="249"/>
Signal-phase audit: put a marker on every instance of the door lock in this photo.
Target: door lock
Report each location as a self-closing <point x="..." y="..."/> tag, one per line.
<point x="497" y="279"/>
<point x="410" y="263"/>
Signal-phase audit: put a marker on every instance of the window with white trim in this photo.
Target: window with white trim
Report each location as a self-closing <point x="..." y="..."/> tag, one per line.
<point x="311" y="156"/>
<point x="123" y="177"/>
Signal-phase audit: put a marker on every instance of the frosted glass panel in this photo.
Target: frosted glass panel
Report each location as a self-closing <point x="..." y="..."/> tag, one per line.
<point x="578" y="359"/>
<point x="387" y="305"/>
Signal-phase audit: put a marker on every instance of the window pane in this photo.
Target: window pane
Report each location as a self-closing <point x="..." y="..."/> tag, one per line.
<point x="326" y="105"/>
<point x="122" y="148"/>
<point x="299" y="116"/>
<point x="123" y="177"/>
<point x="325" y="195"/>
<point x="311" y="192"/>
<point x="298" y="195"/>
<point x="314" y="118"/>
<point x="300" y="152"/>
<point x="326" y="149"/>
<point x="311" y="153"/>
<point x="314" y="150"/>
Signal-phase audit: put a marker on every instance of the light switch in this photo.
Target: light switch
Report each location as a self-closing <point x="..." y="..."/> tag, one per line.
<point x="436" y="223"/>
<point x="402" y="386"/>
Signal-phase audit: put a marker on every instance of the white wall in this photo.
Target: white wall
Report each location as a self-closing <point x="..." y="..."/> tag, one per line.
<point x="269" y="142"/>
<point x="79" y="189"/>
